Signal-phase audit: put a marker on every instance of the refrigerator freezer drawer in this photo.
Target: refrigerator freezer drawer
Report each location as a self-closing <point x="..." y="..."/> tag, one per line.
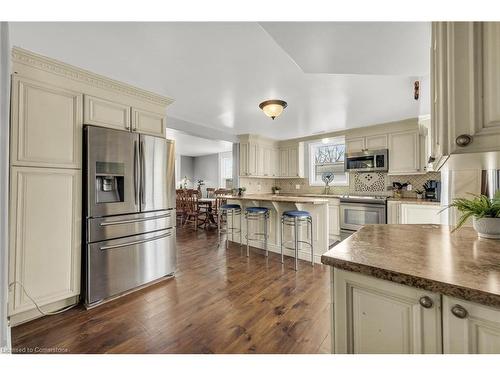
<point x="117" y="266"/>
<point x="105" y="228"/>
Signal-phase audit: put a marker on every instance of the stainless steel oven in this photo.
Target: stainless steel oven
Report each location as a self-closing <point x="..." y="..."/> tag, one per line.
<point x="358" y="211"/>
<point x="367" y="161"/>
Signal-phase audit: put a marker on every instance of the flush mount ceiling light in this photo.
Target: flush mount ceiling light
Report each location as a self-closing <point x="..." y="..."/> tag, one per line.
<point x="273" y="108"/>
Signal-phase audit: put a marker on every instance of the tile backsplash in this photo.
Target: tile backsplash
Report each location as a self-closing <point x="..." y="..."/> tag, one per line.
<point x="366" y="183"/>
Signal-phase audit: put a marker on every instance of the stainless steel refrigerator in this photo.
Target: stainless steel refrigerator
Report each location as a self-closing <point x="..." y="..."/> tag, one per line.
<point x="129" y="211"/>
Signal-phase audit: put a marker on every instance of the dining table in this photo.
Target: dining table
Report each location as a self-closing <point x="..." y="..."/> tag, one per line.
<point x="208" y="203"/>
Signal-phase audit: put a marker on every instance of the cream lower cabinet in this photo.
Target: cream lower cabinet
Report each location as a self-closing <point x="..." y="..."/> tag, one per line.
<point x="421" y="214"/>
<point x="146" y="122"/>
<point x="378" y="316"/>
<point x="470" y="328"/>
<point x="45" y="242"/>
<point x="333" y="219"/>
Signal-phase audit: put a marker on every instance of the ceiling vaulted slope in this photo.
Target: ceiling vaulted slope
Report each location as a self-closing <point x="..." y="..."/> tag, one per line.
<point x="218" y="73"/>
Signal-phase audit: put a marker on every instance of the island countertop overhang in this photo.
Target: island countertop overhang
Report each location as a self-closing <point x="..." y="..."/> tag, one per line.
<point x="424" y="256"/>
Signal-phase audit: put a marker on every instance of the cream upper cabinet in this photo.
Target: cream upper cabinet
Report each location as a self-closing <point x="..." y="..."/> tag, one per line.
<point x="147" y="122"/>
<point x="253" y="154"/>
<point x="376" y="142"/>
<point x="244" y="159"/>
<point x="275" y="162"/>
<point x="284" y="161"/>
<point x="105" y="113"/>
<point x="470" y="328"/>
<point x="404" y="152"/>
<point x="371" y="142"/>
<point x="378" y="316"/>
<point x="355" y="144"/>
<point x="466" y="87"/>
<point x="46" y="125"/>
<point x="45" y="232"/>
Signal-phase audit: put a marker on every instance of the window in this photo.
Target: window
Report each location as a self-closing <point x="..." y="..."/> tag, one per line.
<point x="226" y="170"/>
<point x="327" y="156"/>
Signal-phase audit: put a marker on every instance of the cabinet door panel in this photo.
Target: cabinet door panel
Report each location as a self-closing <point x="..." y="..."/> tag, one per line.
<point x="355" y="144"/>
<point x="491" y="74"/>
<point x="148" y="122"/>
<point x="275" y="162"/>
<point x="376" y="142"/>
<point x="105" y="113"/>
<point x="293" y="162"/>
<point x="45" y="235"/>
<point x="404" y="152"/>
<point x="477" y="333"/>
<point x="333" y="219"/>
<point x="420" y="214"/>
<point x="379" y="316"/>
<point x="46" y="125"/>
<point x="243" y="159"/>
<point x="284" y="161"/>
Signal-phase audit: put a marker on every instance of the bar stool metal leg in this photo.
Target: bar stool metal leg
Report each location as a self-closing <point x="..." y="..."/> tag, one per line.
<point x="227" y="229"/>
<point x="218" y="227"/>
<point x="296" y="244"/>
<point x="312" y="241"/>
<point x="232" y="226"/>
<point x="265" y="235"/>
<point x="248" y="246"/>
<point x="241" y="232"/>
<point x="281" y="239"/>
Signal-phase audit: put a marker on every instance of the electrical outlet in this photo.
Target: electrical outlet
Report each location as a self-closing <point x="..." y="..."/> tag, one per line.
<point x="297" y="187"/>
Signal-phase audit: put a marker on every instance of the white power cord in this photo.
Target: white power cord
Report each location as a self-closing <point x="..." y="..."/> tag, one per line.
<point x="36" y="304"/>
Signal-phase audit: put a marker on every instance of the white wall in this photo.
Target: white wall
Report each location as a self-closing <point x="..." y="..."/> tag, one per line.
<point x="4" y="178"/>
<point x="206" y="168"/>
<point x="187" y="170"/>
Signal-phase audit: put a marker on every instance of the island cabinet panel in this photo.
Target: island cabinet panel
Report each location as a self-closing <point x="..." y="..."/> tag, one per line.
<point x="333" y="219"/>
<point x="378" y="316"/>
<point x="147" y="122"/>
<point x="469" y="328"/>
<point x="46" y="125"/>
<point x="105" y="113"/>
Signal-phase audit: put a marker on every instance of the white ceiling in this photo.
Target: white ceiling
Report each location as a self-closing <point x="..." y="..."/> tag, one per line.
<point x="218" y="72"/>
<point x="189" y="145"/>
<point x="386" y="48"/>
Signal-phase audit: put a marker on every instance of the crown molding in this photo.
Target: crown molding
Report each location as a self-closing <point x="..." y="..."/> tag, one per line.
<point x="22" y="56"/>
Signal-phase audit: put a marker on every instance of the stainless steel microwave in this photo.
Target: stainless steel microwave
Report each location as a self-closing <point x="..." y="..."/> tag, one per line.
<point x="367" y="161"/>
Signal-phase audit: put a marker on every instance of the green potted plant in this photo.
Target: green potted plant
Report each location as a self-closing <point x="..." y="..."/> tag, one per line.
<point x="276" y="189"/>
<point x="241" y="191"/>
<point x="485" y="213"/>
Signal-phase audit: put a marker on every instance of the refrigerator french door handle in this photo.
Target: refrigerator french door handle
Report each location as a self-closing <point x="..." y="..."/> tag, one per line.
<point x="136" y="183"/>
<point x="106" y="223"/>
<point x="143" y="173"/>
<point x="135" y="242"/>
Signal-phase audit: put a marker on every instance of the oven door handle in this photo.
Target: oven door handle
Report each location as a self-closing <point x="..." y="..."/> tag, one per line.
<point x="109" y="247"/>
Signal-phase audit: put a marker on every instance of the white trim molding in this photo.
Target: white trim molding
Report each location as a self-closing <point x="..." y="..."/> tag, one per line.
<point x="22" y="56"/>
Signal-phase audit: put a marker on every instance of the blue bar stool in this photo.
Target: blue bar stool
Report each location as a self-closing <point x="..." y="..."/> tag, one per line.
<point x="296" y="219"/>
<point x="228" y="211"/>
<point x="256" y="214"/>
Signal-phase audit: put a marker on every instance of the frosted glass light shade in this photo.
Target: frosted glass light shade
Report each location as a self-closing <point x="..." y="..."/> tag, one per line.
<point x="273" y="108"/>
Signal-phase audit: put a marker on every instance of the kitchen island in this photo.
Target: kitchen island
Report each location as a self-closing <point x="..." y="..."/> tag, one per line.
<point x="415" y="289"/>
<point x="277" y="204"/>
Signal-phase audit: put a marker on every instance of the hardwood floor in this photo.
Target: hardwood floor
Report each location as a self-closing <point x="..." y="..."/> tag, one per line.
<point x="220" y="301"/>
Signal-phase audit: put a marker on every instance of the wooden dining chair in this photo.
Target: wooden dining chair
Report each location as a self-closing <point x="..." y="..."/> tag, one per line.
<point x="210" y="192"/>
<point x="192" y="210"/>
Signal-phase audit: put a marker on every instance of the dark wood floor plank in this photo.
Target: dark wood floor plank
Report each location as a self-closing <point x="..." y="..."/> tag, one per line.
<point x="220" y="301"/>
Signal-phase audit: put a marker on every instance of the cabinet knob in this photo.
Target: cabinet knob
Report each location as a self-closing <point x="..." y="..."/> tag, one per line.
<point x="459" y="312"/>
<point x="426" y="302"/>
<point x="463" y="140"/>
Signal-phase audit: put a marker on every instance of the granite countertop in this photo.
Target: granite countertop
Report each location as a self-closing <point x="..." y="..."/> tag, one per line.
<point x="414" y="201"/>
<point x="424" y="256"/>
<point x="279" y="198"/>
